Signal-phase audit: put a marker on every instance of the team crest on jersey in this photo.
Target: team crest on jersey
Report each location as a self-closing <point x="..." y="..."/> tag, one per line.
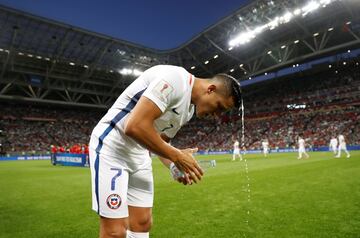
<point x="113" y="201"/>
<point x="163" y="89"/>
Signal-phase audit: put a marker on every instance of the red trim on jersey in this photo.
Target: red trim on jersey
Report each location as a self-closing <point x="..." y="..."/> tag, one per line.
<point x="190" y="81"/>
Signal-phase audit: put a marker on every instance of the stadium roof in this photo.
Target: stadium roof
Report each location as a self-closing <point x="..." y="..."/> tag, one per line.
<point x="46" y="61"/>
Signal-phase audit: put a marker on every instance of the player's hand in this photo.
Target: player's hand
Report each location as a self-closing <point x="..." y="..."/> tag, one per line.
<point x="187" y="164"/>
<point x="179" y="176"/>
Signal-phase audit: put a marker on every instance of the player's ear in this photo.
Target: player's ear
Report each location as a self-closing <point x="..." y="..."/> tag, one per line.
<point x="211" y="88"/>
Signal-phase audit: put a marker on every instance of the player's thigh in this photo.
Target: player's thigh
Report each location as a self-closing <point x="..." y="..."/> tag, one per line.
<point x="140" y="199"/>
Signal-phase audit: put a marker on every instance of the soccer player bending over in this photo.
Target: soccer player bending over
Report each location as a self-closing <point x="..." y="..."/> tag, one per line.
<point x="144" y="118"/>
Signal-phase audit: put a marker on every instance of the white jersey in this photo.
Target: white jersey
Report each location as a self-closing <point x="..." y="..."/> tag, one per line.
<point x="301" y="143"/>
<point x="341" y="140"/>
<point x="236" y="146"/>
<point x="265" y="145"/>
<point x="169" y="87"/>
<point x="333" y="143"/>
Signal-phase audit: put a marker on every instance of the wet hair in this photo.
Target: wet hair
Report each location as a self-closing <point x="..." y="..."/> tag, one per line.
<point x="231" y="87"/>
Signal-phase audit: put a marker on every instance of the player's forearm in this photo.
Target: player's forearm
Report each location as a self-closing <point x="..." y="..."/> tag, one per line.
<point x="146" y="135"/>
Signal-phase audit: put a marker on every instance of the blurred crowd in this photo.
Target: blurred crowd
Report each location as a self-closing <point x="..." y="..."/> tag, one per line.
<point x="316" y="106"/>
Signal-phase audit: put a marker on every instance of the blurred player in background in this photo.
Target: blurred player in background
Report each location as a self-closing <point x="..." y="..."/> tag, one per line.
<point x="236" y="151"/>
<point x="333" y="145"/>
<point x="144" y="118"/>
<point x="302" y="149"/>
<point x="265" y="146"/>
<point x="342" y="146"/>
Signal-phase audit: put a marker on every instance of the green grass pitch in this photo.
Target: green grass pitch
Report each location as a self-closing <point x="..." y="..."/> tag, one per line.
<point x="317" y="197"/>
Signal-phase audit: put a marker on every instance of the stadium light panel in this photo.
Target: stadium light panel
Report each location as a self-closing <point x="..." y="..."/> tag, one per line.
<point x="316" y="34"/>
<point x="296" y="41"/>
<point x="230" y="48"/>
<point x="241" y="65"/>
<point x="231" y="70"/>
<point x="137" y="72"/>
<point x="247" y="36"/>
<point x="111" y="71"/>
<point x="20" y="53"/>
<point x="30" y="55"/>
<point x="330" y="29"/>
<point x="192" y="67"/>
<point x="269" y="52"/>
<point x="1" y="49"/>
<point x="215" y="56"/>
<point x="348" y="23"/>
<point x="349" y="51"/>
<point x="38" y="57"/>
<point x="330" y="66"/>
<point x="206" y="62"/>
<point x="344" y="63"/>
<point x="86" y="66"/>
<point x="283" y="46"/>
<point x="71" y="63"/>
<point x="46" y="58"/>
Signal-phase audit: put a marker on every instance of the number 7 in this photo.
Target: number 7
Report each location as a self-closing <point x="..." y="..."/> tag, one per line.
<point x="114" y="178"/>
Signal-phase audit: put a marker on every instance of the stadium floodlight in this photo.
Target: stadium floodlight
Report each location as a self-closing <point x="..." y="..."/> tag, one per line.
<point x="349" y="51"/>
<point x="86" y="66"/>
<point x="71" y="63"/>
<point x="1" y="49"/>
<point x="230" y="48"/>
<point x="125" y="71"/>
<point x="296" y="41"/>
<point x="137" y="72"/>
<point x="269" y="52"/>
<point x="283" y="46"/>
<point x="38" y="57"/>
<point x="215" y="56"/>
<point x="330" y="29"/>
<point x="206" y="62"/>
<point x="30" y="55"/>
<point x="348" y="23"/>
<point x="287" y="16"/>
<point x="344" y="63"/>
<point x="231" y="70"/>
<point x="241" y="65"/>
<point x="20" y="53"/>
<point x="111" y="71"/>
<point x="310" y="7"/>
<point x="192" y="67"/>
<point x="316" y="34"/>
<point x="46" y="58"/>
<point x="330" y="66"/>
<point x="265" y="73"/>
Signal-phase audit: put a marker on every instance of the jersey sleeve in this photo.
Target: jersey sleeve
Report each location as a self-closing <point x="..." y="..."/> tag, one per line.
<point x="165" y="90"/>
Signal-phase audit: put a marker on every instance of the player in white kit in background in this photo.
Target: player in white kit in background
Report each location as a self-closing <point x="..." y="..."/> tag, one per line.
<point x="144" y="118"/>
<point x="302" y="149"/>
<point x="236" y="151"/>
<point x="265" y="146"/>
<point x="342" y="146"/>
<point x="333" y="145"/>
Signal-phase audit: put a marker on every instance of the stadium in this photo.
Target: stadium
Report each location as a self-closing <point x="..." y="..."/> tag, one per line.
<point x="298" y="64"/>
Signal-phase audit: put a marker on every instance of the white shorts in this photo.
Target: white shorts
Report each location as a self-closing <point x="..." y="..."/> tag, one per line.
<point x="236" y="152"/>
<point x="342" y="147"/>
<point x="302" y="150"/>
<point x="116" y="185"/>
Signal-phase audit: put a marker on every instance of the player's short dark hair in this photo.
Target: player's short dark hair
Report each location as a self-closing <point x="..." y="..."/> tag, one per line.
<point x="231" y="86"/>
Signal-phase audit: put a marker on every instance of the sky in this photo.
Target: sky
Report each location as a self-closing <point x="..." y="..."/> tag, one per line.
<point x="158" y="24"/>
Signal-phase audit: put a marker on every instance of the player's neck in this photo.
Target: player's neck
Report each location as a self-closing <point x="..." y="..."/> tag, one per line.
<point x="199" y="84"/>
